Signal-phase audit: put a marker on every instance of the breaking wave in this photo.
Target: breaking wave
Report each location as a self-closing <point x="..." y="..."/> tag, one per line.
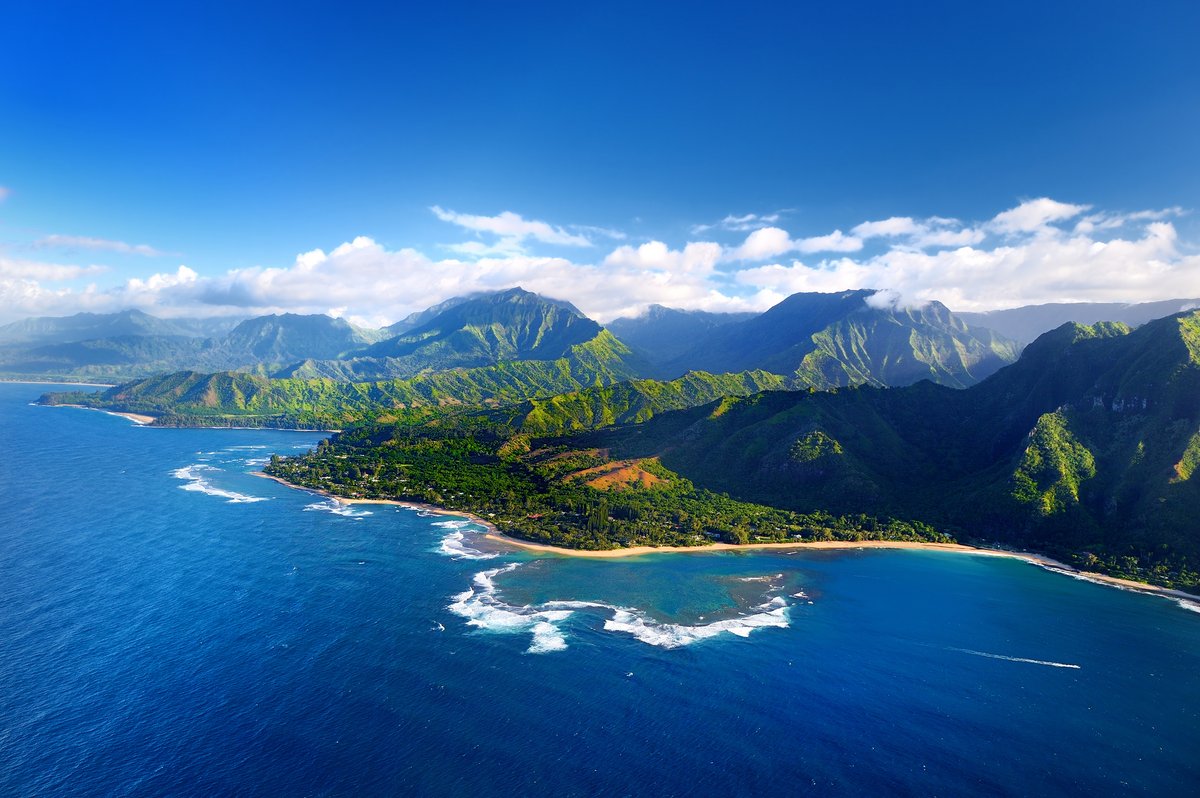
<point x="337" y="508"/>
<point x="673" y="635"/>
<point x="483" y="608"/>
<point x="454" y="545"/>
<point x="1187" y="604"/>
<point x="195" y="481"/>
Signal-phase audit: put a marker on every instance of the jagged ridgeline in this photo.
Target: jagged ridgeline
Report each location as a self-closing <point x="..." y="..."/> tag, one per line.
<point x="511" y="346"/>
<point x="823" y="341"/>
<point x="817" y="340"/>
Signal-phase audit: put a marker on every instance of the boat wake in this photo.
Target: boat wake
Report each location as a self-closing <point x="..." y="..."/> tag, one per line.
<point x="1047" y="663"/>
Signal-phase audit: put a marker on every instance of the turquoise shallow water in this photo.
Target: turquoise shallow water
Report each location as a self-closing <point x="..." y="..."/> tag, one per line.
<point x="172" y="625"/>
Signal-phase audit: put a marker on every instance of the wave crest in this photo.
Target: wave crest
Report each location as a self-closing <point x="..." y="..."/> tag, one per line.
<point x="195" y="481"/>
<point x="482" y="607"/>
<point x="337" y="508"/>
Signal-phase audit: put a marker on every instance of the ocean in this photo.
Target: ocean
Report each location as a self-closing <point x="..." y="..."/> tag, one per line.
<point x="171" y="624"/>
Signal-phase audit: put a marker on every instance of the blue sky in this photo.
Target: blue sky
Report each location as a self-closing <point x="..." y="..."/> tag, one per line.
<point x="237" y="142"/>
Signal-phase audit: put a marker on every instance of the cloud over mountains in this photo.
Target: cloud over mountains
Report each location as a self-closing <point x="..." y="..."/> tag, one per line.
<point x="1040" y="250"/>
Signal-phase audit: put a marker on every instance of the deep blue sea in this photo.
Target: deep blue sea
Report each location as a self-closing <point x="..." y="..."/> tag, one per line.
<point x="171" y="624"/>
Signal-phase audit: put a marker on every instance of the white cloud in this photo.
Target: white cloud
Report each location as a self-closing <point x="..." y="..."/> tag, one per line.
<point x="770" y="242"/>
<point x="99" y="244"/>
<point x="1037" y="252"/>
<point x="1034" y="215"/>
<point x="894" y="226"/>
<point x="697" y="257"/>
<point x="1041" y="269"/>
<point x="740" y="224"/>
<point x="513" y="227"/>
<point x="765" y="243"/>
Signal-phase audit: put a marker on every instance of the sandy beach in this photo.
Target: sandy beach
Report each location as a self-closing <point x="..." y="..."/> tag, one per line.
<point x="136" y="418"/>
<point x="495" y="535"/>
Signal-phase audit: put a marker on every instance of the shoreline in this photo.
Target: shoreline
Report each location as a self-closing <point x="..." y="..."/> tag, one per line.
<point x="495" y="535"/>
<point x="142" y="419"/>
<point x="493" y="531"/>
<point x="60" y="382"/>
<point x="137" y="418"/>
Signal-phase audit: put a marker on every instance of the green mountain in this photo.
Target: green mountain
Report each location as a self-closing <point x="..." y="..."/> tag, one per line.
<point x="662" y="334"/>
<point x="290" y="337"/>
<point x="1024" y="324"/>
<point x="191" y="398"/>
<point x="828" y="340"/>
<point x="486" y="329"/>
<point x="420" y="317"/>
<point x="628" y="402"/>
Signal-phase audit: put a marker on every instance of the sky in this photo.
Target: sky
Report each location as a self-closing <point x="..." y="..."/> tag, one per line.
<point x="232" y="159"/>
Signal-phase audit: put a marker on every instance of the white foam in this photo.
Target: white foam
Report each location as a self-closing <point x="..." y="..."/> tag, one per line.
<point x="1047" y="663"/>
<point x="546" y="637"/>
<point x="760" y="578"/>
<point x="1188" y="605"/>
<point x="674" y="635"/>
<point x="194" y="481"/>
<point x="257" y="461"/>
<point x="337" y="508"/>
<point x="454" y="545"/>
<point x="484" y="609"/>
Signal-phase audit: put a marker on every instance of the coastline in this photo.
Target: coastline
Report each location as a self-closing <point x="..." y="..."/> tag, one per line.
<point x="495" y="535"/>
<point x="493" y="531"/>
<point x="137" y="418"/>
<point x="60" y="382"/>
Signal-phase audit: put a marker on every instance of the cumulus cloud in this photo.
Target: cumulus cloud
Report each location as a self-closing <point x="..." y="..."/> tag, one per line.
<point x="1039" y="251"/>
<point x="513" y="228"/>
<point x="769" y="242"/>
<point x="697" y="257"/>
<point x="894" y="226"/>
<point x="98" y="244"/>
<point x="1034" y="215"/>
<point x="1040" y="269"/>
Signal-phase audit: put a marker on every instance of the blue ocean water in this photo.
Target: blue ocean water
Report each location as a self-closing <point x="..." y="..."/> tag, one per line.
<point x="171" y="624"/>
